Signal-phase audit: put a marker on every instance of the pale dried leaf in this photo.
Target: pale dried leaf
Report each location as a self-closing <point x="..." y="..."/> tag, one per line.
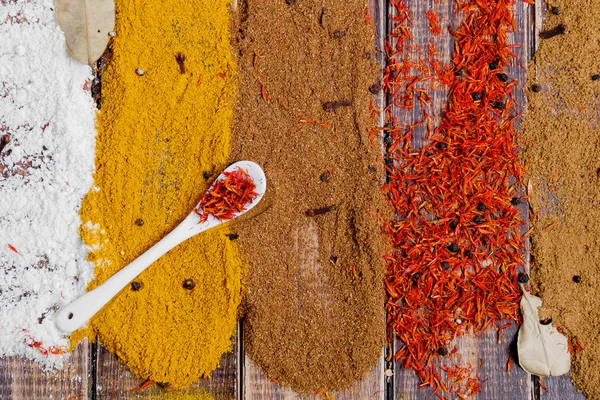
<point x="543" y="351"/>
<point x="86" y="24"/>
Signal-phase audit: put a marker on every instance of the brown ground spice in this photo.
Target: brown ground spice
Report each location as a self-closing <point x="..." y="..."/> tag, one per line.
<point x="314" y="302"/>
<point x="563" y="148"/>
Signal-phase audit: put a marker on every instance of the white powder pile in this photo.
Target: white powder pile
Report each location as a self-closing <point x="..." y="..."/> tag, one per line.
<point x="45" y="170"/>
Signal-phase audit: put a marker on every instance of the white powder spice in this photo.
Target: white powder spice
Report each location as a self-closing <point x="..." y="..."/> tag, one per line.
<point x="45" y="170"/>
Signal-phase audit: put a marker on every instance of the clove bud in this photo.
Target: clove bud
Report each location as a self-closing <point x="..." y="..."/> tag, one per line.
<point x="559" y="30"/>
<point x="334" y="105"/>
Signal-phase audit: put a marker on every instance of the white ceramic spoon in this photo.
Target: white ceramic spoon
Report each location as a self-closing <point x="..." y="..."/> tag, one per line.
<point x="76" y="314"/>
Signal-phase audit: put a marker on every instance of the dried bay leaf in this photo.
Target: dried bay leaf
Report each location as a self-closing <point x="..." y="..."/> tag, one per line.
<point x="86" y="24"/>
<point x="543" y="351"/>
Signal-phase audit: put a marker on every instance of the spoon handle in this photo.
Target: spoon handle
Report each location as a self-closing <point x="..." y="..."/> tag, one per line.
<point x="76" y="314"/>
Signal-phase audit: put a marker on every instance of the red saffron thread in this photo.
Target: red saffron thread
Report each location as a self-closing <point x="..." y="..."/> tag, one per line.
<point x="12" y="248"/>
<point x="39" y="346"/>
<point x="144" y="385"/>
<point x="434" y="22"/>
<point x="228" y="196"/>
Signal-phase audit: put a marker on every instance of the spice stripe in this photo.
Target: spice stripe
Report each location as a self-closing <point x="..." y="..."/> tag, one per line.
<point x="448" y="256"/>
<point x="163" y="134"/>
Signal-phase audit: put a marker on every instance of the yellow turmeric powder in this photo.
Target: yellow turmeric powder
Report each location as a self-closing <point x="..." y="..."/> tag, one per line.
<point x="164" y="124"/>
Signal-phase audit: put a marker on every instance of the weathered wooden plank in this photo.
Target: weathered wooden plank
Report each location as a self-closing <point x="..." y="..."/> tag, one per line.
<point x="113" y="380"/>
<point x="258" y="387"/>
<point x="559" y="387"/>
<point x="22" y="379"/>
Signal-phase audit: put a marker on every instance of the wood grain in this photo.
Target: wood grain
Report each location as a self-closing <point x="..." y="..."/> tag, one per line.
<point x="113" y="380"/>
<point x="559" y="387"/>
<point x="22" y="379"/>
<point x="258" y="387"/>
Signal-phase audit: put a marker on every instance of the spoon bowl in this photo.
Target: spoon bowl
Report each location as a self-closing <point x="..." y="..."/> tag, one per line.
<point x="76" y="314"/>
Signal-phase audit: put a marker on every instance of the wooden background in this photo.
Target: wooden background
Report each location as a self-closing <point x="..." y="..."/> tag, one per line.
<point x="93" y="373"/>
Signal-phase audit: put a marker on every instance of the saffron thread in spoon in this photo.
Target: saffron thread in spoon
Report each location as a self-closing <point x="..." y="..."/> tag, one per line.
<point x="227" y="197"/>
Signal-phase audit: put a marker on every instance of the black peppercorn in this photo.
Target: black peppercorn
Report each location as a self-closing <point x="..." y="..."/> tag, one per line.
<point x="339" y="34"/>
<point x="468" y="253"/>
<point x="441" y="145"/>
<point x="374" y="88"/>
<point x="445" y="266"/>
<point x="189" y="284"/>
<point x="596" y="77"/>
<point x="232" y="236"/>
<point x="442" y="351"/>
<point x="453" y="224"/>
<point x="555" y="10"/>
<point x="481" y="207"/>
<point x="577" y="279"/>
<point x="139" y="222"/>
<point x="135" y="286"/>
<point x="536" y="88"/>
<point x="476" y="96"/>
<point x="494" y="64"/>
<point x="325" y="176"/>
<point x="417" y="275"/>
<point x="290" y="2"/>
<point x="546" y="321"/>
<point x="478" y="219"/>
<point x="515" y="201"/>
<point x="502" y="77"/>
<point x="522" y="278"/>
<point x="388" y="140"/>
<point x="207" y="174"/>
<point x="453" y="248"/>
<point x="498" y="105"/>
